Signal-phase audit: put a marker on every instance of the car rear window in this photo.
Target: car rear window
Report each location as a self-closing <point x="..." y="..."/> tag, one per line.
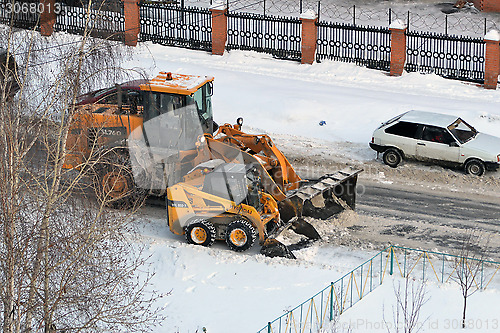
<point x="403" y="128"/>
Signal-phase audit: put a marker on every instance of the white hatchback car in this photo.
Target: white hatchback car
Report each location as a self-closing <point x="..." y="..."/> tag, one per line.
<point x="439" y="138"/>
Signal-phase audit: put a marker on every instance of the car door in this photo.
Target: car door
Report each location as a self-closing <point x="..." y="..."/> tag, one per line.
<point x="403" y="136"/>
<point x="436" y="143"/>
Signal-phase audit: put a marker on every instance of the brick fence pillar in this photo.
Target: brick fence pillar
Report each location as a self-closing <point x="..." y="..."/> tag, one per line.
<point x="309" y="36"/>
<point x="219" y="27"/>
<point x="132" y="22"/>
<point x="490" y="6"/>
<point x="398" y="47"/>
<point x="492" y="59"/>
<point x="47" y="17"/>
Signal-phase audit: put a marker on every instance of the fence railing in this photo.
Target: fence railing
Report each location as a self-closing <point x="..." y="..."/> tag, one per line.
<point x="453" y="57"/>
<point x="364" y="46"/>
<point x="20" y="14"/>
<point x="171" y="25"/>
<point x="100" y="22"/>
<point x="278" y="36"/>
<point x="317" y="312"/>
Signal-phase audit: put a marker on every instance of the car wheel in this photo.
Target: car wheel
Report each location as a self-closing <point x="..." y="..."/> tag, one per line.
<point x="474" y="167"/>
<point x="392" y="157"/>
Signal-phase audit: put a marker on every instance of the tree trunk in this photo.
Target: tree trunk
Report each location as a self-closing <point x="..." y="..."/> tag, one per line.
<point x="465" y="308"/>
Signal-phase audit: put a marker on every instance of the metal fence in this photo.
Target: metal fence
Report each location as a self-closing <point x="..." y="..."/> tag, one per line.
<point x="106" y="22"/>
<point x="453" y="57"/>
<point x="171" y="25"/>
<point x="278" y="36"/>
<point x="24" y="15"/>
<point x="316" y="313"/>
<point x="364" y="46"/>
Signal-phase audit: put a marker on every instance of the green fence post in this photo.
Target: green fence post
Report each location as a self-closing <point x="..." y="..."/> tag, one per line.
<point x="392" y="261"/>
<point x="331" y="301"/>
<point x="423" y="269"/>
<point x="482" y="270"/>
<point x="269" y="330"/>
<point x="442" y="272"/>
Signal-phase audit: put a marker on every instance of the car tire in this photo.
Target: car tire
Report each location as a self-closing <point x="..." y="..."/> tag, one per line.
<point x="475" y="168"/>
<point x="392" y="157"/>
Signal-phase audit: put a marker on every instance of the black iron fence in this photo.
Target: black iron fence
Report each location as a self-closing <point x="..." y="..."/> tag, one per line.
<point x="102" y="22"/>
<point x="453" y="57"/>
<point x="171" y="25"/>
<point x="24" y="15"/>
<point x="364" y="46"/>
<point x="278" y="36"/>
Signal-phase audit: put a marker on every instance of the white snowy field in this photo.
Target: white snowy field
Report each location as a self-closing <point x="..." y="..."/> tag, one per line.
<point x="442" y="311"/>
<point x="230" y="292"/>
<point x="224" y="292"/>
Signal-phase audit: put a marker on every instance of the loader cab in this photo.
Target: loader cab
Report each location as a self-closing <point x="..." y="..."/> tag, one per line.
<point x="179" y="101"/>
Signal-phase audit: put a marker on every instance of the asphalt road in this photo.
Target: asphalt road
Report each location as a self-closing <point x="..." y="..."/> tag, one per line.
<point x="433" y="207"/>
<point x="418" y="218"/>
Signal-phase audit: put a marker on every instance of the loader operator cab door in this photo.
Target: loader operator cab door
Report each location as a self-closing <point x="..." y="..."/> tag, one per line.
<point x="203" y="101"/>
<point x="175" y="120"/>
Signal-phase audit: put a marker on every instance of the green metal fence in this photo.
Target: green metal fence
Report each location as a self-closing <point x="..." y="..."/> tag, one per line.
<point x="322" y="308"/>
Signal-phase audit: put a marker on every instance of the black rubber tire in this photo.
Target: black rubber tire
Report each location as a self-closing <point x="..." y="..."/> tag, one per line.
<point x="392" y="157"/>
<point x="200" y="232"/>
<point x="114" y="170"/>
<point x="240" y="235"/>
<point x="475" y="168"/>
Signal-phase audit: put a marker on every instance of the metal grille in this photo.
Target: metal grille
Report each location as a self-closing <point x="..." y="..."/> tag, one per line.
<point x="108" y="22"/>
<point x="452" y="57"/>
<point x="171" y="25"/>
<point x="267" y="34"/>
<point x="21" y="14"/>
<point x="364" y="46"/>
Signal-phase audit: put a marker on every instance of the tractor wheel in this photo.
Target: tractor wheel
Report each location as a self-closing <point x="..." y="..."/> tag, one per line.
<point x="200" y="232"/>
<point x="240" y="235"/>
<point x="392" y="157"/>
<point x="474" y="168"/>
<point x="114" y="183"/>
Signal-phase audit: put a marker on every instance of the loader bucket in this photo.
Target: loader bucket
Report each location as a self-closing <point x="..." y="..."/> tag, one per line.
<point x="274" y="248"/>
<point x="329" y="195"/>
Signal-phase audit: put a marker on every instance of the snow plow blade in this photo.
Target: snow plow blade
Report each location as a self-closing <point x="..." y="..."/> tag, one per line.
<point x="322" y="198"/>
<point x="274" y="248"/>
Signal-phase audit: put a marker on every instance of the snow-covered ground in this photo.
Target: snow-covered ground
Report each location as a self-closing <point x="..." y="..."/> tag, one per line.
<point x="225" y="292"/>
<point x="229" y="292"/>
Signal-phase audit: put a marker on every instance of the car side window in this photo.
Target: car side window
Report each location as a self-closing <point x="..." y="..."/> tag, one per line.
<point x="403" y="128"/>
<point x="437" y="134"/>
